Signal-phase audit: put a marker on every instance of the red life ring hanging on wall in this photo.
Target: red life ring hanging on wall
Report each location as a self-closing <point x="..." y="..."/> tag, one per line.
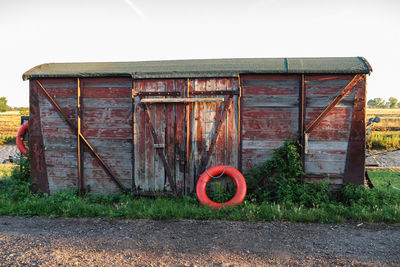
<point x="20" y="134"/>
<point x="220" y="170"/>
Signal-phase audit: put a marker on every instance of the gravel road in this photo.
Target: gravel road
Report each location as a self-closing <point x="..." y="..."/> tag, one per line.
<point x="112" y="242"/>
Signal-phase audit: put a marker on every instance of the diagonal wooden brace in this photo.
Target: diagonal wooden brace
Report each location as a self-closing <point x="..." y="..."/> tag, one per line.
<point x="75" y="131"/>
<point x="311" y="126"/>
<point x="159" y="151"/>
<point x="205" y="155"/>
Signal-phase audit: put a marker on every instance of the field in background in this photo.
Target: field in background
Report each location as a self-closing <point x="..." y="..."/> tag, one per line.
<point x="10" y="122"/>
<point x="386" y="133"/>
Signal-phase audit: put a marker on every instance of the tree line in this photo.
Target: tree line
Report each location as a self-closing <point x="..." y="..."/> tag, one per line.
<point x="378" y="102"/>
<point x="4" y="107"/>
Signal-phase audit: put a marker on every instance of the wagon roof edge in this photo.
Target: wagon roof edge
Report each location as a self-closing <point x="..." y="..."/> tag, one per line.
<point x="197" y="68"/>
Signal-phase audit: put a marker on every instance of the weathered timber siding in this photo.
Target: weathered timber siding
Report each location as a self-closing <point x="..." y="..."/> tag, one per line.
<point x="59" y="140"/>
<point x="269" y="115"/>
<point x="168" y="121"/>
<point x="118" y="129"/>
<point x="325" y="155"/>
<point x="203" y="125"/>
<point x="106" y="124"/>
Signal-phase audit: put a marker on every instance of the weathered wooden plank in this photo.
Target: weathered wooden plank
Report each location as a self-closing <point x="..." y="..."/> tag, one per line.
<point x="108" y="103"/>
<point x="271" y="86"/>
<point x="159" y="123"/>
<point x="92" y="173"/>
<point x="180" y="134"/>
<point x="140" y="150"/>
<point x="67" y="105"/>
<point x="269" y="134"/>
<point x="108" y="133"/>
<point x="324" y="167"/>
<point x="328" y="145"/>
<point x="332" y="134"/>
<point x="270" y="113"/>
<point x="323" y="101"/>
<point x="50" y="132"/>
<point x="61" y="183"/>
<point x="325" y="157"/>
<point x="270" y="124"/>
<point x="254" y="157"/>
<point x="270" y="101"/>
<point x="326" y="85"/>
<point x="329" y="180"/>
<point x="110" y="92"/>
<point x="261" y="144"/>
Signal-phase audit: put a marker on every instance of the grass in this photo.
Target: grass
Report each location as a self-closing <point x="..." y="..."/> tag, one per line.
<point x="10" y="122"/>
<point x="385" y="134"/>
<point x="296" y="202"/>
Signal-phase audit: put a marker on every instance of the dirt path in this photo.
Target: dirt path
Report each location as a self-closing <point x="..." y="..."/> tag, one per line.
<point x="385" y="159"/>
<point x="111" y="242"/>
<point x="6" y="151"/>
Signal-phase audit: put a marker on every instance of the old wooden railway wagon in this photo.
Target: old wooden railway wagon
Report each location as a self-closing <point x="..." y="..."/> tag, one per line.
<point x="154" y="127"/>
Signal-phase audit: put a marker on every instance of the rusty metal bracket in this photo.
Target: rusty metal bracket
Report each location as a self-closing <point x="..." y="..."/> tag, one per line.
<point x="221" y="92"/>
<point x="156" y="93"/>
<point x="205" y="156"/>
<point x="311" y="126"/>
<point x="75" y="131"/>
<point x="159" y="151"/>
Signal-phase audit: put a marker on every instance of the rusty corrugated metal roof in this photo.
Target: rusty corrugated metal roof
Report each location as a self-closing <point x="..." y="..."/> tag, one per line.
<point x="202" y="68"/>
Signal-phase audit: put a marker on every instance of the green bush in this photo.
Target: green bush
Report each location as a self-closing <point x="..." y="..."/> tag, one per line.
<point x="22" y="171"/>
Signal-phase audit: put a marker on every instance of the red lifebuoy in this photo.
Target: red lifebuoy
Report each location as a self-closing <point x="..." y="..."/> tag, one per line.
<point x="218" y="170"/>
<point x="20" y="134"/>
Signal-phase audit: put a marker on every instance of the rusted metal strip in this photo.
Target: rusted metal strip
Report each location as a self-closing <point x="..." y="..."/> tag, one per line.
<point x="75" y="131"/>
<point x="222" y="92"/>
<point x="302" y="115"/>
<point x="335" y="101"/>
<point x="81" y="189"/>
<point x="156" y="93"/>
<point x="159" y="151"/>
<point x="240" y="144"/>
<point x="188" y="139"/>
<point x="133" y="185"/>
<point x="181" y="100"/>
<point x="355" y="157"/>
<point x="205" y="155"/>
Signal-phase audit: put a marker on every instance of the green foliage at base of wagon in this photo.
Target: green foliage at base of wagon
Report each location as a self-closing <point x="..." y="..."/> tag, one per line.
<point x="291" y="201"/>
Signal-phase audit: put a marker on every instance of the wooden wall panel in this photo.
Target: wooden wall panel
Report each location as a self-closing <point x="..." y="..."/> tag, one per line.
<point x="203" y="123"/>
<point x="107" y="125"/>
<point x="59" y="140"/>
<point x="168" y="121"/>
<point x="327" y="143"/>
<point x="269" y="115"/>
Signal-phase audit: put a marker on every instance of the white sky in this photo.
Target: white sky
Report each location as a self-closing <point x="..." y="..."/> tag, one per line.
<point x="41" y="31"/>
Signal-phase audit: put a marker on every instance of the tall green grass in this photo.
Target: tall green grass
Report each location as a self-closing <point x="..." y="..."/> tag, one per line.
<point x="384" y="140"/>
<point x="283" y="197"/>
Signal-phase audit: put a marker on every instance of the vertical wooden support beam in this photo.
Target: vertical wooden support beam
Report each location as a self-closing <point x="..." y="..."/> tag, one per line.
<point x="240" y="148"/>
<point x="133" y="186"/>
<point x="355" y="158"/>
<point x="302" y="117"/>
<point x="39" y="178"/>
<point x="81" y="184"/>
<point x="188" y="139"/>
